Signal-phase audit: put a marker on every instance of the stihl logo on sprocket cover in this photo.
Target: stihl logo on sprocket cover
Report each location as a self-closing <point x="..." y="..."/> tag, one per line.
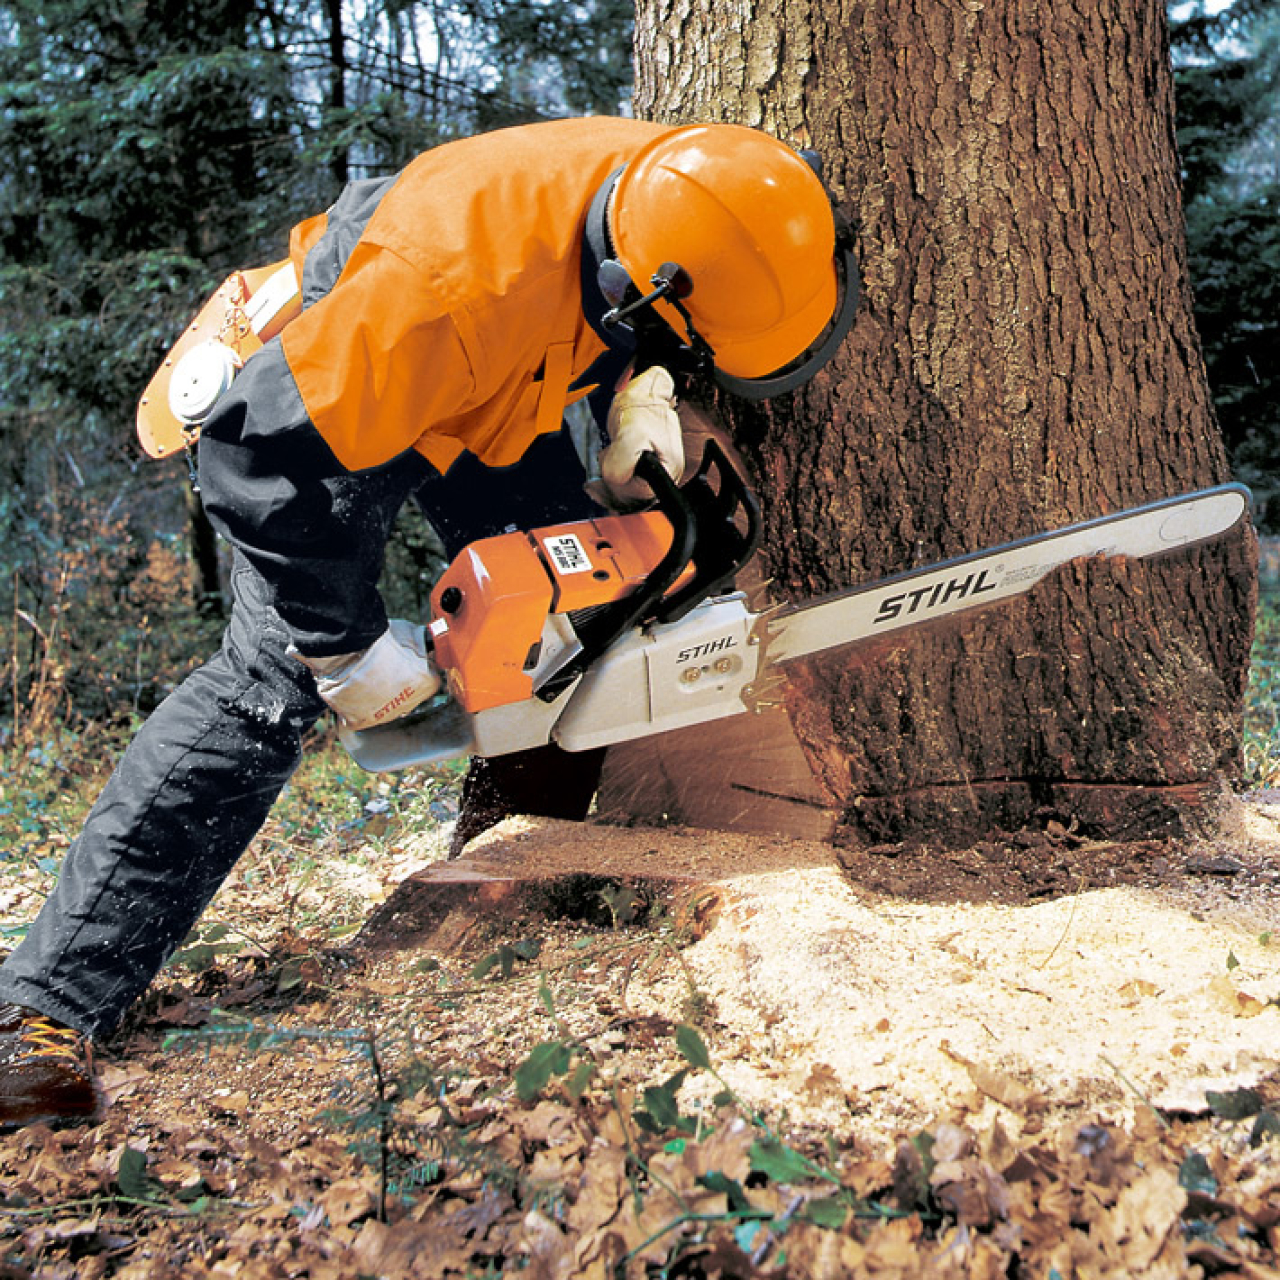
<point x="706" y="650"/>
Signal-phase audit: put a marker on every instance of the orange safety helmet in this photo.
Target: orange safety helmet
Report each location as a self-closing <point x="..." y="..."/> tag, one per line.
<point x="752" y="228"/>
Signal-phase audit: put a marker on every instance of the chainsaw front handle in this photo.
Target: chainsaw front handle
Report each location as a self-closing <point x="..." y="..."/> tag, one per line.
<point x="670" y="499"/>
<point x="715" y="528"/>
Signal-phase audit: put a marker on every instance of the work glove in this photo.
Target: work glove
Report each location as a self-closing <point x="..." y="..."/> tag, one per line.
<point x="642" y="416"/>
<point x="380" y="683"/>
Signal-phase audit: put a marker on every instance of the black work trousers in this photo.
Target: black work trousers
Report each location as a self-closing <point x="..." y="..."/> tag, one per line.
<point x="200" y="777"/>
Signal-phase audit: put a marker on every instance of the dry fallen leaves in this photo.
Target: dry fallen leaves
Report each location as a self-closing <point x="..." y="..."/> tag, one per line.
<point x="594" y="1197"/>
<point x="244" y="1178"/>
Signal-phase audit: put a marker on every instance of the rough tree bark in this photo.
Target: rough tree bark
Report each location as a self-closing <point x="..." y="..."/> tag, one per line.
<point x="1025" y="357"/>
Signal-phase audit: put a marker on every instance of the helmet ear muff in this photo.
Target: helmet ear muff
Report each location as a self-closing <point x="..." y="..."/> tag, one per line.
<point x="616" y="286"/>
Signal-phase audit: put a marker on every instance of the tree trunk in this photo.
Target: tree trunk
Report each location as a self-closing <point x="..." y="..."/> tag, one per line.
<point x="1025" y="357"/>
<point x="336" y="98"/>
<point x="202" y="543"/>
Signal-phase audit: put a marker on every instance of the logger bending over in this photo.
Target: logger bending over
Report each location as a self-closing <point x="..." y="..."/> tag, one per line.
<point x="449" y="314"/>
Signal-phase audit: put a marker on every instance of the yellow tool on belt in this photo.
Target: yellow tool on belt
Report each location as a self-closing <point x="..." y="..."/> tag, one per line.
<point x="248" y="309"/>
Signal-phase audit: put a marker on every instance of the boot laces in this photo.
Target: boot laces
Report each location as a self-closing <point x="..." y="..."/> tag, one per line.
<point x="47" y="1039"/>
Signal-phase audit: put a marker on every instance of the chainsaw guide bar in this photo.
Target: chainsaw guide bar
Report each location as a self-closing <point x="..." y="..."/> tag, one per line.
<point x="985" y="577"/>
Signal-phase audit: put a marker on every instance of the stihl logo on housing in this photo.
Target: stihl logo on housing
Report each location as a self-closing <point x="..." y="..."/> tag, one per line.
<point x="706" y="650"/>
<point x="567" y="553"/>
<point x="922" y="599"/>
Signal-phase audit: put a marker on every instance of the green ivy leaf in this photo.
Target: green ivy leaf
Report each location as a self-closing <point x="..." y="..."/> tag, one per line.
<point x="1196" y="1176"/>
<point x="1267" y="1125"/>
<point x="731" y="1187"/>
<point x="131" y="1175"/>
<point x="647" y="1122"/>
<point x="581" y="1077"/>
<point x="549" y="1058"/>
<point x="1235" y="1104"/>
<point x="779" y="1162"/>
<point x="660" y="1104"/>
<point x="692" y="1049"/>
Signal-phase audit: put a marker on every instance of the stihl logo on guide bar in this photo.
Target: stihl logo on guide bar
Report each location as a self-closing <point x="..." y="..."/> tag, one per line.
<point x="922" y="599"/>
<point x="705" y="650"/>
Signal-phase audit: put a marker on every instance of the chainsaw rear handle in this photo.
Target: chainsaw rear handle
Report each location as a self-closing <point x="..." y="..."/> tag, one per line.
<point x="716" y="529"/>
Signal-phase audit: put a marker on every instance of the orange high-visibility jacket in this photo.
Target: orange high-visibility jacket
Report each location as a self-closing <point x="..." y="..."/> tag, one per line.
<point x="456" y="322"/>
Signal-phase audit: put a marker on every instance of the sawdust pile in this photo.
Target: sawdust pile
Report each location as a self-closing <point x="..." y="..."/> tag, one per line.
<point x="1151" y="990"/>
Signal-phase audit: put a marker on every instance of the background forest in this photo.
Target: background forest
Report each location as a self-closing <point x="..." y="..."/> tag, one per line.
<point x="147" y="147"/>
<point x="321" y="1084"/>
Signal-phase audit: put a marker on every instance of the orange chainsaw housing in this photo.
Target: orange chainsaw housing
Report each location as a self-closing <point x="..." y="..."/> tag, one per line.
<point x="489" y="607"/>
<point x="248" y="309"/>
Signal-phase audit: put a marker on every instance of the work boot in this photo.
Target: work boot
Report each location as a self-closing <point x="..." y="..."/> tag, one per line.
<point x="46" y="1071"/>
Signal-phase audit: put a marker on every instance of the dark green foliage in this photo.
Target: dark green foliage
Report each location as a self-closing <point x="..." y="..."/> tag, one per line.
<point x="575" y="57"/>
<point x="147" y="147"/>
<point x="119" y="147"/>
<point x="1235" y="256"/>
<point x="141" y="145"/>
<point x="1228" y="79"/>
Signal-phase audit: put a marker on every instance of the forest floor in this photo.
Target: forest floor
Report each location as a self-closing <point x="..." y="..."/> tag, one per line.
<point x="591" y="1051"/>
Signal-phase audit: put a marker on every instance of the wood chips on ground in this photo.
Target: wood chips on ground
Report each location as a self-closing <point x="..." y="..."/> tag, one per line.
<point x="1042" y="1057"/>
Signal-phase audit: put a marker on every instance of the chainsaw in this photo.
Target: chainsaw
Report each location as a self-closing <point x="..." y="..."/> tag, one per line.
<point x="604" y="630"/>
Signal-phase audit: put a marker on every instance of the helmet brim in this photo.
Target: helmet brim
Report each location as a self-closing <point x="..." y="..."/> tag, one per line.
<point x="756" y="355"/>
<point x="824" y="348"/>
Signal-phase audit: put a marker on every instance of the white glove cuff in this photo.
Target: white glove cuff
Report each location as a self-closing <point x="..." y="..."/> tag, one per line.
<point x="385" y="681"/>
